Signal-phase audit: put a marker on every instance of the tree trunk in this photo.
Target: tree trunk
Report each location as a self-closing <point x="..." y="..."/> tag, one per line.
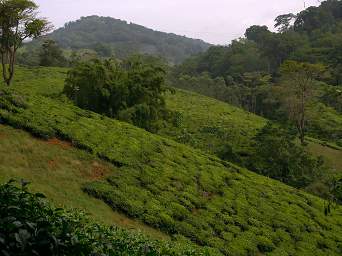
<point x="4" y="67"/>
<point x="8" y="67"/>
<point x="302" y="118"/>
<point x="11" y="67"/>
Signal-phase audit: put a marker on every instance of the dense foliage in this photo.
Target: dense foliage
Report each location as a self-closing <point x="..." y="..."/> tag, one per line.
<point x="278" y="156"/>
<point x="31" y="226"/>
<point x="107" y="36"/>
<point x="131" y="90"/>
<point x="246" y="72"/>
<point x="51" y="55"/>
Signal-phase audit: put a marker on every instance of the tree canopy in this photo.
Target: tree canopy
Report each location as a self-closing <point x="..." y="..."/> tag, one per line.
<point x="18" y="21"/>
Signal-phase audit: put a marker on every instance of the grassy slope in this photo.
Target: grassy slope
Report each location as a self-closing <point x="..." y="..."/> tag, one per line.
<point x="208" y="123"/>
<point x="179" y="189"/>
<point x="59" y="170"/>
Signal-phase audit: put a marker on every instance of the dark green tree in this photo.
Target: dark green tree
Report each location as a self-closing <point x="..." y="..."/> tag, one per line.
<point x="278" y="156"/>
<point x="283" y="22"/>
<point x="52" y="55"/>
<point x="130" y="90"/>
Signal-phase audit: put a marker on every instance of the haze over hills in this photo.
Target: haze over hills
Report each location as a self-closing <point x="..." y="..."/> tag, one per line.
<point x="108" y="36"/>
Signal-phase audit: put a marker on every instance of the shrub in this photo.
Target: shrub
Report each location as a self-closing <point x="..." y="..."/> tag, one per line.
<point x="131" y="91"/>
<point x="278" y="156"/>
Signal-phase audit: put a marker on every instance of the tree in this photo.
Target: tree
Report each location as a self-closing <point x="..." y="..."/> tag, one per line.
<point x="18" y="21"/>
<point x="257" y="33"/>
<point x="51" y="55"/>
<point x="283" y="22"/>
<point x="131" y="90"/>
<point x="279" y="157"/>
<point x="298" y="78"/>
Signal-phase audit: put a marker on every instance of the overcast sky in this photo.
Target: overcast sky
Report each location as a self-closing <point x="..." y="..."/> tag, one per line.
<point x="215" y="21"/>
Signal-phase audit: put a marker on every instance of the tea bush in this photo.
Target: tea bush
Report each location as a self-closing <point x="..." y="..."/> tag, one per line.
<point x="29" y="226"/>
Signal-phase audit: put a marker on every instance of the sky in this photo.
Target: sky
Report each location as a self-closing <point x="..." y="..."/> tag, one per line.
<point x="214" y="21"/>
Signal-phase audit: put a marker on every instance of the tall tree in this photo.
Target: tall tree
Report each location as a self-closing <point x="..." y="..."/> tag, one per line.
<point x="18" y="21"/>
<point x="52" y="55"/>
<point x="298" y="78"/>
<point x="284" y="22"/>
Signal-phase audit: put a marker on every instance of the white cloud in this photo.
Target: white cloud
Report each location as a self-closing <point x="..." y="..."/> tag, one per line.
<point x="215" y="21"/>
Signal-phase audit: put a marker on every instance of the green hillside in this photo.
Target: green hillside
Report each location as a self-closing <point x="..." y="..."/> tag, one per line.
<point x="173" y="187"/>
<point x="201" y="122"/>
<point x="209" y="124"/>
<point x="53" y="164"/>
<point x="108" y="36"/>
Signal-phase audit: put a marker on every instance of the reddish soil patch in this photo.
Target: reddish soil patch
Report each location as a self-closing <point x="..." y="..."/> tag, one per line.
<point x="62" y="144"/>
<point x="98" y="171"/>
<point x="52" y="164"/>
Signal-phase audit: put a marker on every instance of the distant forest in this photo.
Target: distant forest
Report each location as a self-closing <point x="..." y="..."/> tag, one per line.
<point x="106" y="37"/>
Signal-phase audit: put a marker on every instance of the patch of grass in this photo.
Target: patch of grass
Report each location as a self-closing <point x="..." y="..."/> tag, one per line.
<point x="180" y="190"/>
<point x="59" y="171"/>
<point x="325" y="123"/>
<point x="332" y="155"/>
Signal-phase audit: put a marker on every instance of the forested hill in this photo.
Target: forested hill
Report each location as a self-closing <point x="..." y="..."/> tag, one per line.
<point x="107" y="35"/>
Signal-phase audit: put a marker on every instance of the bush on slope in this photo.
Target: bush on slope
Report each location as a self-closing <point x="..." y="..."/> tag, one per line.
<point x="30" y="226"/>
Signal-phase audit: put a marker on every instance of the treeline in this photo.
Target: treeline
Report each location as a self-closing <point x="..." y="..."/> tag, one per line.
<point x="246" y="73"/>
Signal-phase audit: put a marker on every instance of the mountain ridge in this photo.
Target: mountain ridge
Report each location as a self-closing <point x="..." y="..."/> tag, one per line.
<point x="107" y="35"/>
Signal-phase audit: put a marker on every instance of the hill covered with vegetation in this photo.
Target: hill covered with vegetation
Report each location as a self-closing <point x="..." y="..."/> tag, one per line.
<point x="112" y="136"/>
<point x="175" y="188"/>
<point x="108" y="37"/>
<point x="249" y="72"/>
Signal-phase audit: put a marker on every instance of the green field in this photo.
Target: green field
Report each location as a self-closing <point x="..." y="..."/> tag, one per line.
<point x="172" y="187"/>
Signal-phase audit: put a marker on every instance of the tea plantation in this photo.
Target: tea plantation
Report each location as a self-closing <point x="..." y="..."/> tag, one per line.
<point x="175" y="188"/>
<point x="209" y="124"/>
<point x="31" y="226"/>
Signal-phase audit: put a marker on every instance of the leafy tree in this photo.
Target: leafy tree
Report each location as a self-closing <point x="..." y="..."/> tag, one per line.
<point x="278" y="156"/>
<point x="18" y="21"/>
<point x="335" y="194"/>
<point x="283" y="22"/>
<point x="299" y="80"/>
<point x="52" y="55"/>
<point x="131" y="90"/>
<point x="257" y="33"/>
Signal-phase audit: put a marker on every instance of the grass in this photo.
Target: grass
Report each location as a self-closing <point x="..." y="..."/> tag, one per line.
<point x="208" y="124"/>
<point x="325" y="123"/>
<point x="332" y="155"/>
<point x="59" y="171"/>
<point x="177" y="189"/>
